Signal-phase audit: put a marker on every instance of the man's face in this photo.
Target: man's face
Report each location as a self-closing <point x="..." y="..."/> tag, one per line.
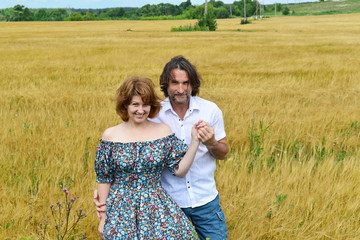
<point x="179" y="88"/>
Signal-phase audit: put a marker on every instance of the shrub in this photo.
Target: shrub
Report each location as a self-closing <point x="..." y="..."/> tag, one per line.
<point x="205" y="23"/>
<point x="286" y="11"/>
<point x="208" y="22"/>
<point x="188" y="28"/>
<point x="243" y="21"/>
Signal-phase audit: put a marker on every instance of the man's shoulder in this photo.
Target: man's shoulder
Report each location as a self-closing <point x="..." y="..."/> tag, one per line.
<point x="205" y="103"/>
<point x="164" y="101"/>
<point x="165" y="104"/>
<point x="164" y="107"/>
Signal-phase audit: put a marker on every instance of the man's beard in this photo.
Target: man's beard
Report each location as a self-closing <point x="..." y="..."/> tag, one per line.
<point x="173" y="98"/>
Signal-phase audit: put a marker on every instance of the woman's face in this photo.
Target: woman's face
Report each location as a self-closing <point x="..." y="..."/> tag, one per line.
<point x="138" y="111"/>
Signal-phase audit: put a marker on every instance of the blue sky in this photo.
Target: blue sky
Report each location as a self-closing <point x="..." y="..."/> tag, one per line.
<point x="106" y="3"/>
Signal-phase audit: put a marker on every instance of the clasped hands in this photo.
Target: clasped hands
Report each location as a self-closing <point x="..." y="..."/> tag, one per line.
<point x="205" y="133"/>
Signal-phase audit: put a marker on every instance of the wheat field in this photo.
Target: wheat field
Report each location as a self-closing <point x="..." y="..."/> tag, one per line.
<point x="289" y="89"/>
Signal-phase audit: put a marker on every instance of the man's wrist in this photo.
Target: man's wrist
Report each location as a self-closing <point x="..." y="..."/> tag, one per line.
<point x="211" y="144"/>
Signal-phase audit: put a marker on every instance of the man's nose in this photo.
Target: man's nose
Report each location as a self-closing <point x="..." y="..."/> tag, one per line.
<point x="181" y="88"/>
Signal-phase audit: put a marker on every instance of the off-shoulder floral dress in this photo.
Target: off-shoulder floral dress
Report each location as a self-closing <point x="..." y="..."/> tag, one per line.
<point x="137" y="206"/>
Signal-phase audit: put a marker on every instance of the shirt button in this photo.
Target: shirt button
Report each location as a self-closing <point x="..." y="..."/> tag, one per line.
<point x="188" y="186"/>
<point x="182" y="125"/>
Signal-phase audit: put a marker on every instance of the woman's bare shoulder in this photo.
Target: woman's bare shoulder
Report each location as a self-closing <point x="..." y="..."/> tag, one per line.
<point x="112" y="132"/>
<point x="162" y="129"/>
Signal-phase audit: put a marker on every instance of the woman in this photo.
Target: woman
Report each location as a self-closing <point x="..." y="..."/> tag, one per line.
<point x="128" y="164"/>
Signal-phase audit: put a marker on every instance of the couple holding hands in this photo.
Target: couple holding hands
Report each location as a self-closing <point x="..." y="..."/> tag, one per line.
<point x="155" y="171"/>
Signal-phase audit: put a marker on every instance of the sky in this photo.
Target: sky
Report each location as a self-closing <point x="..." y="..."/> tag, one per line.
<point x="108" y="3"/>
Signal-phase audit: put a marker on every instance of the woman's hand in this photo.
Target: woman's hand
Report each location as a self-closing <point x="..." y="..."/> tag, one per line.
<point x="101" y="228"/>
<point x="100" y="207"/>
<point x="195" y="134"/>
<point x="100" y="196"/>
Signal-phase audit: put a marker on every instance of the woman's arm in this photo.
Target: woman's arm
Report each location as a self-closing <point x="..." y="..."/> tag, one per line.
<point x="188" y="159"/>
<point x="103" y="190"/>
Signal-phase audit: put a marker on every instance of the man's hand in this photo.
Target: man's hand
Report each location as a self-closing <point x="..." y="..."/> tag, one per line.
<point x="206" y="134"/>
<point x="100" y="207"/>
<point x="218" y="149"/>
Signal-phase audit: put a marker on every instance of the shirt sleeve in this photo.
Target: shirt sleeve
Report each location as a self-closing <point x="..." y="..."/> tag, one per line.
<point x="218" y="125"/>
<point x="176" y="151"/>
<point x="103" y="166"/>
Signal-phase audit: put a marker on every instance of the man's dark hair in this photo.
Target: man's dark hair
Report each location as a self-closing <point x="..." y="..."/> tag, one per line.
<point x="179" y="62"/>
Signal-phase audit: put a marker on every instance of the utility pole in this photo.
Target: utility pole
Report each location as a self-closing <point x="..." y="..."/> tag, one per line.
<point x="230" y="10"/>
<point x="275" y="9"/>
<point x="257" y="5"/>
<point x="244" y="11"/>
<point x="263" y="9"/>
<point x="205" y="8"/>
<point x="68" y="10"/>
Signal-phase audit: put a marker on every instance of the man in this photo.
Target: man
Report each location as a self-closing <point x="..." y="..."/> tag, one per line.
<point x="196" y="194"/>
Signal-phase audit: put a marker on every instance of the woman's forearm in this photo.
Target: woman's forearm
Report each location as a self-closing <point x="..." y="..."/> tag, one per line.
<point x="103" y="191"/>
<point x="188" y="159"/>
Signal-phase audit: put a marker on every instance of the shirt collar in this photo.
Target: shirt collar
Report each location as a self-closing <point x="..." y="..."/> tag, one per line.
<point x="192" y="106"/>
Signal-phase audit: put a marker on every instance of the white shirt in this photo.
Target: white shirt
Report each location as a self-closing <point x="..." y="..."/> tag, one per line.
<point x="198" y="187"/>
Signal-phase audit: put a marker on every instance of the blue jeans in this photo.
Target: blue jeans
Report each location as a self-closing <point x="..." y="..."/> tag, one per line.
<point x="209" y="220"/>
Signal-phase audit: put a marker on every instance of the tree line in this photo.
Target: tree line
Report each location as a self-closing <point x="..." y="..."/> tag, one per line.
<point x="184" y="10"/>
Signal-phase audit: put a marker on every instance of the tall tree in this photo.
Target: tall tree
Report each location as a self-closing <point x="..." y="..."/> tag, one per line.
<point x="185" y="5"/>
<point x="19" y="13"/>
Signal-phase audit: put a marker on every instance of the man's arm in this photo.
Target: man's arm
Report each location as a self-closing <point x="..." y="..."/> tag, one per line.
<point x="218" y="149"/>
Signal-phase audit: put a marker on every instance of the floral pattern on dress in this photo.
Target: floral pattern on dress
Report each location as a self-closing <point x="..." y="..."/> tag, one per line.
<point x="137" y="206"/>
